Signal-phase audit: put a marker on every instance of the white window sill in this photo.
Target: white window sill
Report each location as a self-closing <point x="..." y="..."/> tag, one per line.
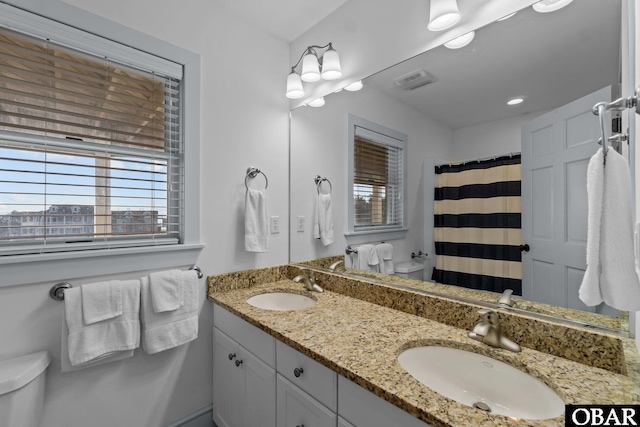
<point x="67" y="266"/>
<point x="371" y="236"/>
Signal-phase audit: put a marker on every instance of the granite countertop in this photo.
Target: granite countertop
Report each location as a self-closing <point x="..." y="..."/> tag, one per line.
<point x="362" y="341"/>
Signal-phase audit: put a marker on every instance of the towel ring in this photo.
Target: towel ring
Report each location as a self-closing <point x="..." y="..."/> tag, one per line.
<point x="318" y="180"/>
<point x="252" y="173"/>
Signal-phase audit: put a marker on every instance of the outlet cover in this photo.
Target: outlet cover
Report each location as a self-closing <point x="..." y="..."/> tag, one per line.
<point x="275" y="224"/>
<point x="300" y="224"/>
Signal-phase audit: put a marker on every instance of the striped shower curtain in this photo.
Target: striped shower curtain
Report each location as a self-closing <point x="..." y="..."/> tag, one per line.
<point x="477" y="225"/>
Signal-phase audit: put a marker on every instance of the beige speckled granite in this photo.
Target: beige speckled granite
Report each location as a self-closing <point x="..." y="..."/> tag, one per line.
<point x="613" y="323"/>
<point x="361" y="341"/>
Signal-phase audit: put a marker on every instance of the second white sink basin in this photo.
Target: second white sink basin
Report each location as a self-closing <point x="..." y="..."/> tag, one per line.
<point x="281" y="301"/>
<point x="481" y="382"/>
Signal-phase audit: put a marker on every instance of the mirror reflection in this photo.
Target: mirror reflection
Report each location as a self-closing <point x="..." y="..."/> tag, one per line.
<point x="452" y="105"/>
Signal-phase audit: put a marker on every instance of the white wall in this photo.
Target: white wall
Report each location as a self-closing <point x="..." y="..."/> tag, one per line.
<point x="489" y="139"/>
<point x="318" y="147"/>
<point x="243" y="123"/>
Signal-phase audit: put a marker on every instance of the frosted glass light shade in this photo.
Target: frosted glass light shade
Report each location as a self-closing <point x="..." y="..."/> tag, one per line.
<point x="294" y="86"/>
<point x="317" y="102"/>
<point x="443" y="14"/>
<point x="461" y="41"/>
<point x="355" y="86"/>
<point x="331" y="65"/>
<point x="310" y="68"/>
<point x="545" y="6"/>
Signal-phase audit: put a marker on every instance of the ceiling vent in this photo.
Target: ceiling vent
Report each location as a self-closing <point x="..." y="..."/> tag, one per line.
<point x="414" y="79"/>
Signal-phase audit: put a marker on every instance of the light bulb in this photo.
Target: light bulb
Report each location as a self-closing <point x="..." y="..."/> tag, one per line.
<point x="331" y="65"/>
<point x="443" y="14"/>
<point x="310" y="67"/>
<point x="294" y="86"/>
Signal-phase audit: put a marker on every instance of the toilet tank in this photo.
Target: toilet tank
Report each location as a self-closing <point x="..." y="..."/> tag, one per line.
<point x="410" y="270"/>
<point x="22" y="382"/>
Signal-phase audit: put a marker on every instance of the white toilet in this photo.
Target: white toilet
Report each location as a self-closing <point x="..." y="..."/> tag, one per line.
<point x="22" y="389"/>
<point x="409" y="270"/>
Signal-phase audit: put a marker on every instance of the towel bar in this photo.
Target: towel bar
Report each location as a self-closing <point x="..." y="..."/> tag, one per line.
<point x="57" y="291"/>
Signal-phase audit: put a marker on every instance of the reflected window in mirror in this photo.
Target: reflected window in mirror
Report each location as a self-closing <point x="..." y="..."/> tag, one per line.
<point x="377" y="177"/>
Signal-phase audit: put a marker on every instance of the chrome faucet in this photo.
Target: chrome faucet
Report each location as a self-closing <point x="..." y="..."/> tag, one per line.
<point x="308" y="281"/>
<point x="338" y="266"/>
<point x="505" y="299"/>
<point x="488" y="332"/>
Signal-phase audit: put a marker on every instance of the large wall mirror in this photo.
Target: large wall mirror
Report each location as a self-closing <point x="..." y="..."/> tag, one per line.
<point x="550" y="59"/>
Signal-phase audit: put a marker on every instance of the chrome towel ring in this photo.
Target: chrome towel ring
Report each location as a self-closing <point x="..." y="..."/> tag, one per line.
<point x="319" y="180"/>
<point x="252" y="173"/>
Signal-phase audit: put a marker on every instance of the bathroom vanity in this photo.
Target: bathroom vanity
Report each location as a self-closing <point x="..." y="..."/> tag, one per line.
<point x="336" y="362"/>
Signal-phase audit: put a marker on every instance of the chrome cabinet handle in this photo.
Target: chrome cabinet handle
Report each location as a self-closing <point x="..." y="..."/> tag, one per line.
<point x="238" y="362"/>
<point x="231" y="356"/>
<point x="297" y="372"/>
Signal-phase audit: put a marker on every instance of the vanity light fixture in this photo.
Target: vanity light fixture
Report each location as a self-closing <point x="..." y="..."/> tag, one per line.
<point x="319" y="102"/>
<point x="443" y="14"/>
<point x="515" y="101"/>
<point x="314" y="67"/>
<point x="355" y="86"/>
<point x="545" y="6"/>
<point x="461" y="41"/>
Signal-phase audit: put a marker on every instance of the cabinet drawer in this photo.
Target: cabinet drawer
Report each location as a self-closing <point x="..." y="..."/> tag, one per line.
<point x="297" y="408"/>
<point x="314" y="378"/>
<point x="364" y="409"/>
<point x="244" y="333"/>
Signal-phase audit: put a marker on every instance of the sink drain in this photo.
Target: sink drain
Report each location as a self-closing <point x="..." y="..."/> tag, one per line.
<point x="482" y="406"/>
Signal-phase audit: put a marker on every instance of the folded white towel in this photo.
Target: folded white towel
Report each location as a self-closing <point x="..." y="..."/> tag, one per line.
<point x="105" y="339"/>
<point x="611" y="275"/>
<point x="323" y="220"/>
<point x="167" y="290"/>
<point x="366" y="258"/>
<point x="162" y="331"/>
<point x="385" y="257"/>
<point x="101" y="301"/>
<point x="256" y="221"/>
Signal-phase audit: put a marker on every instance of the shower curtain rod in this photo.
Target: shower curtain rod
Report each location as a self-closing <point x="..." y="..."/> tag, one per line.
<point x="481" y="159"/>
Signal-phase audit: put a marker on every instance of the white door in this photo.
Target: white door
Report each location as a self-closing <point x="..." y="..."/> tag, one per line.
<point x="556" y="148"/>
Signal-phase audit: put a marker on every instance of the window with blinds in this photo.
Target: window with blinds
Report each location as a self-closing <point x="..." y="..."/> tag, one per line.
<point x="89" y="150"/>
<point x="378" y="175"/>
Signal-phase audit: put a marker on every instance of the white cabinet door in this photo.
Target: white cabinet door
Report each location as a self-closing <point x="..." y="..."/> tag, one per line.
<point x="227" y="383"/>
<point x="297" y="409"/>
<point x="259" y="390"/>
<point x="344" y="423"/>
<point x="244" y="388"/>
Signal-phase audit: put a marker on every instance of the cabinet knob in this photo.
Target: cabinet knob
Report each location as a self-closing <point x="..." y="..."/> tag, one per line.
<point x="238" y="362"/>
<point x="231" y="356"/>
<point x="297" y="372"/>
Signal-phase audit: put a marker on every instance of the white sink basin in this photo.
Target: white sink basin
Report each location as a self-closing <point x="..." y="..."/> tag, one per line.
<point x="476" y="380"/>
<point x="281" y="301"/>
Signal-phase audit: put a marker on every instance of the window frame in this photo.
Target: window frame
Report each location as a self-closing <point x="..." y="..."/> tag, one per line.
<point x="385" y="136"/>
<point x="69" y="25"/>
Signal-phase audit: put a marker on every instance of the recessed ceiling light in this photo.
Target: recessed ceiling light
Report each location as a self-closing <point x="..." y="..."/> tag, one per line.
<point x="461" y="41"/>
<point x="317" y="102"/>
<point x="354" y="86"/>
<point x="504" y="18"/>
<point x="515" y="101"/>
<point x="545" y="6"/>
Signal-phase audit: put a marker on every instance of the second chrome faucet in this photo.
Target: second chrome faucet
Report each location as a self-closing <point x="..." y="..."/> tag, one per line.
<point x="309" y="281"/>
<point x="488" y="332"/>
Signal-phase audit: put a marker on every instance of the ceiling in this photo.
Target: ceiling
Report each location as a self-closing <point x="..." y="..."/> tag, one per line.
<point x="549" y="58"/>
<point x="284" y="19"/>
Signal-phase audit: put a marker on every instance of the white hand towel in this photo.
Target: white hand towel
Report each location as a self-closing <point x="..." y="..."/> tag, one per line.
<point x="256" y="221"/>
<point x="611" y="275"/>
<point x="169" y="329"/>
<point x="167" y="290"/>
<point x="366" y="258"/>
<point x="101" y="301"/>
<point x="385" y="257"/>
<point x="323" y="221"/>
<point x="107" y="340"/>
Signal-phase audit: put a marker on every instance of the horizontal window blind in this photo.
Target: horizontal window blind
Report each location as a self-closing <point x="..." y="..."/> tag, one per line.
<point x="89" y="150"/>
<point x="377" y="183"/>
